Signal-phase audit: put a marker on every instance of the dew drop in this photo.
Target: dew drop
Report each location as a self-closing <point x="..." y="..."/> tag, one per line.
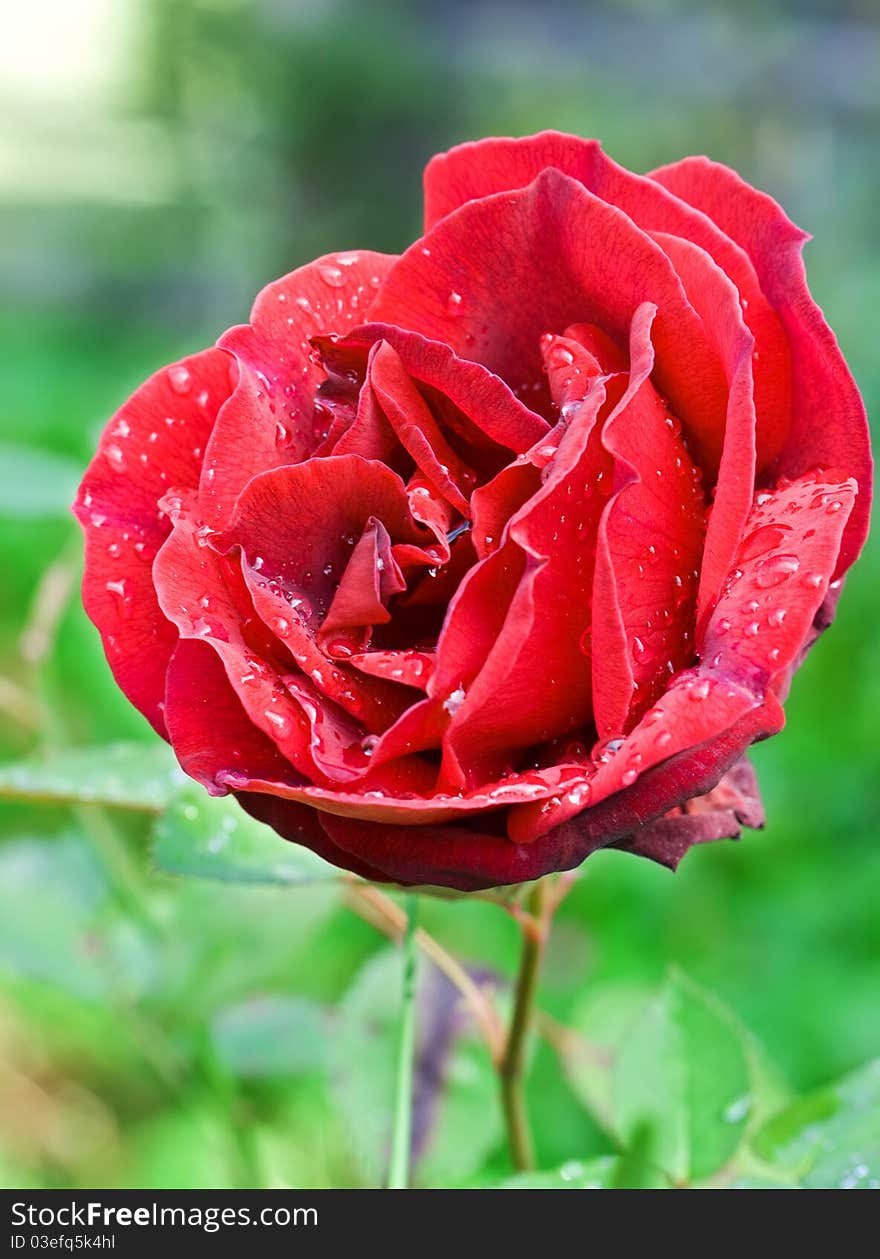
<point x="453" y="303"/>
<point x="334" y="276"/>
<point x="339" y="649"/>
<point x="642" y="652"/>
<point x="180" y="378"/>
<point x="699" y="690"/>
<point x="120" y="590"/>
<point x="579" y="795"/>
<point x="603" y="751"/>
<point x="114" y="456"/>
<point x="776" y="569"/>
<point x="762" y="540"/>
<point x="279" y="721"/>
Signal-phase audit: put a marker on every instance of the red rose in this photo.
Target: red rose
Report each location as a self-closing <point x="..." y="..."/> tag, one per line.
<point x="460" y="565"/>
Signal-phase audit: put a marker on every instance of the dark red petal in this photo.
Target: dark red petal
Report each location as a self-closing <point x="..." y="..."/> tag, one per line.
<point x="269" y="420"/>
<point x="486" y="167"/>
<point x="720" y="814"/>
<point x="829" y="426"/>
<point x="502" y="271"/>
<point x="470" y="859"/>
<point x="679" y="749"/>
<point x="301" y="825"/>
<point x="154" y="442"/>
<point x="783" y="568"/>
<point x="474" y="619"/>
<point x="648" y="550"/>
<point x="316" y="735"/>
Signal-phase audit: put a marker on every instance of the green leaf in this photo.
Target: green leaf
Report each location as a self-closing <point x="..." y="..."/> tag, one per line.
<point x="458" y="1121"/>
<point x="36" y="483"/>
<point x="270" y="1035"/>
<point x="831" y="1138"/>
<point x="58" y="925"/>
<point x="603" y="1019"/>
<point x="681" y="1082"/>
<point x="213" y="838"/>
<point x="139" y="776"/>
<point x="594" y="1173"/>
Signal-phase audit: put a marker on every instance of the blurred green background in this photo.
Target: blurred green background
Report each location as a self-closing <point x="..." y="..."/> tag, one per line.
<point x="160" y="160"/>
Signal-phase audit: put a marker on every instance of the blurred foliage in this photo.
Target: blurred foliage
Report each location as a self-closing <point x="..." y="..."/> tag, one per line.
<point x="164" y="1031"/>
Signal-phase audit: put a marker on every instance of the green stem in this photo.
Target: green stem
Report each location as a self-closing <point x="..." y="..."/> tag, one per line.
<point x="512" y="1068"/>
<point x="401" y="1133"/>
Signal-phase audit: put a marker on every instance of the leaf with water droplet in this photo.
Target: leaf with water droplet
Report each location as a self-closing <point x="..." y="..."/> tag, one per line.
<point x="134" y="776"/>
<point x="831" y="1138"/>
<point x="679" y="1074"/>
<point x="213" y="838"/>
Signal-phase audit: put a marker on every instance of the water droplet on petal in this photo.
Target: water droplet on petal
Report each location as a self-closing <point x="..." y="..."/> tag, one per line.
<point x="776" y="569"/>
<point x="762" y="540"/>
<point x="334" y="276"/>
<point x="180" y="378"/>
<point x="120" y="590"/>
<point x="642" y="652"/>
<point x="453" y="303"/>
<point x="279" y="721"/>
<point x="604" y="750"/>
<point x="114" y="456"/>
<point x="699" y="690"/>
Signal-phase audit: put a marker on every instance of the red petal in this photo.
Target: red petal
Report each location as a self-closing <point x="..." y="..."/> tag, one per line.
<point x="359" y="601"/>
<point x="784" y="565"/>
<point x="534" y="684"/>
<point x="303" y="520"/>
<point x="829" y="427"/>
<point x="679" y="749"/>
<point x="715" y="300"/>
<point x="269" y="419"/>
<point x="479" y="408"/>
<point x="648" y="550"/>
<point x="491" y="166"/>
<point x="209" y="730"/>
<point x="154" y="442"/>
<point x="469" y="859"/>
<point x="416" y="429"/>
<point x="540" y="260"/>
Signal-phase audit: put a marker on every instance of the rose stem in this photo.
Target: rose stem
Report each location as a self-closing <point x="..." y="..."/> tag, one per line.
<point x="511" y="1070"/>
<point x="401" y="1132"/>
<point x="383" y="914"/>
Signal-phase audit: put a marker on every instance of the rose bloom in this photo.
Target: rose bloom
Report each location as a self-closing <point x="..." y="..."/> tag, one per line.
<point x="459" y="565"/>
